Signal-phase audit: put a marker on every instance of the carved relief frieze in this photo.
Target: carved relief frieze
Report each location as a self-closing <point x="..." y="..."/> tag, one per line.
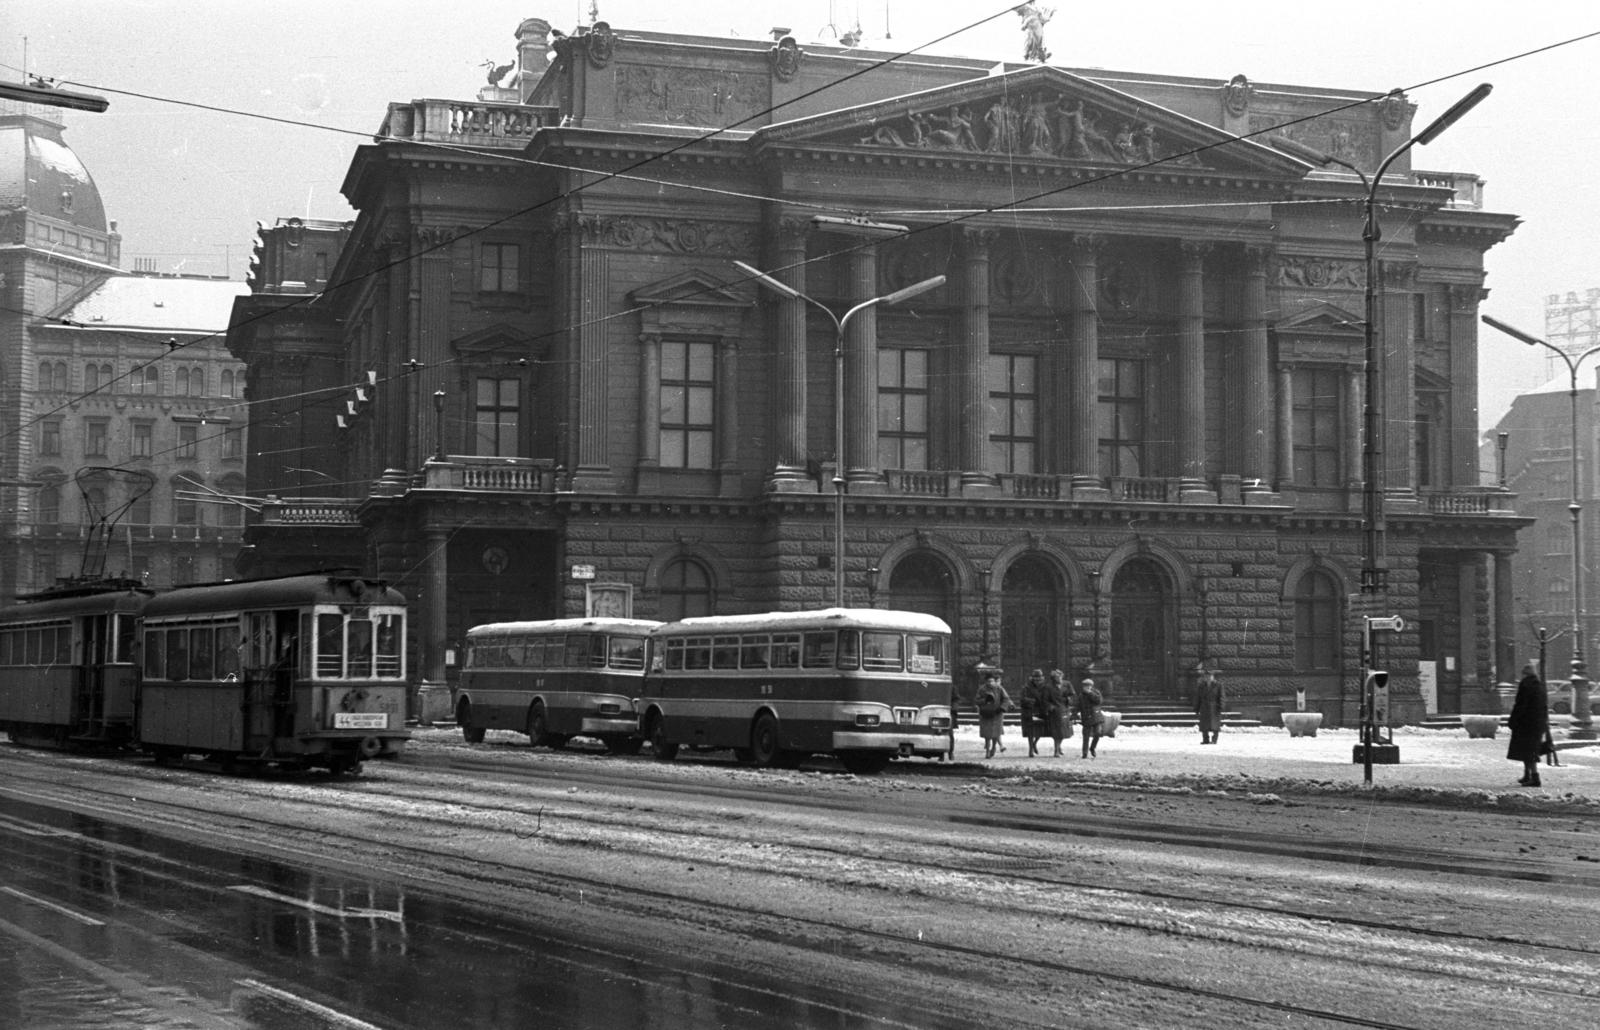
<point x="688" y="96"/>
<point x="436" y="235"/>
<point x="1397" y="275"/>
<point x="1012" y="278"/>
<point x="1351" y="138"/>
<point x="679" y="235"/>
<point x="1123" y="287"/>
<point x="1316" y="273"/>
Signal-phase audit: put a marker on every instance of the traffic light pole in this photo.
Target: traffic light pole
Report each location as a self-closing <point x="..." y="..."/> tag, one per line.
<point x="1375" y="682"/>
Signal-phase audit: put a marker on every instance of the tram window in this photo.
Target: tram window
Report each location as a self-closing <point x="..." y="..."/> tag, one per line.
<point x="360" y="643"/>
<point x="302" y="644"/>
<point x="697" y="653"/>
<point x="177" y="654"/>
<point x="819" y="650"/>
<point x="755" y="652"/>
<point x="849" y="649"/>
<point x="330" y="645"/>
<point x="927" y="654"/>
<point x="125" y="638"/>
<point x="154" y="654"/>
<point x="786" y="650"/>
<point x="390" y="640"/>
<point x="5" y="648"/>
<point x="627" y="652"/>
<point x="675" y="653"/>
<point x="882" y="652"/>
<point x="725" y="653"/>
<point x="200" y="654"/>
<point x="33" y="647"/>
<point x="63" y="645"/>
<point x="227" y="651"/>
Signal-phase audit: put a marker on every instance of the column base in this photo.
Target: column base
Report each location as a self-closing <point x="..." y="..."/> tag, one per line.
<point x="1089" y="488"/>
<point x="787" y="479"/>
<point x="1258" y="494"/>
<point x="433" y="702"/>
<point x="979" y="484"/>
<point x="647" y="480"/>
<point x="594" y="479"/>
<point x="1195" y="491"/>
<point x="865" y="482"/>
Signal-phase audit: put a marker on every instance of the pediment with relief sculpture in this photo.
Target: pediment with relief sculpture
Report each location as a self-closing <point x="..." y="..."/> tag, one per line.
<point x="1037" y="113"/>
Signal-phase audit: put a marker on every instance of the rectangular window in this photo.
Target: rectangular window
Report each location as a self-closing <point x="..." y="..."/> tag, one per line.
<point x="786" y="650"/>
<point x="688" y="380"/>
<point x="1316" y="427"/>
<point x="725" y="653"/>
<point x="330" y="646"/>
<point x="144" y="435"/>
<point x="233" y="442"/>
<point x="882" y="652"/>
<point x="819" y="650"/>
<point x="188" y="441"/>
<point x="359" y="665"/>
<point x="927" y="655"/>
<point x="227" y="651"/>
<point x="50" y="439"/>
<point x="154" y="653"/>
<point x="1120" y="417"/>
<point x="391" y="640"/>
<point x="496" y="418"/>
<point x="178" y="654"/>
<point x="903" y="409"/>
<point x="1013" y="406"/>
<point x="754" y="652"/>
<point x="627" y="652"/>
<point x="200" y="653"/>
<point x="499" y="270"/>
<point x="94" y="439"/>
<point x="697" y="653"/>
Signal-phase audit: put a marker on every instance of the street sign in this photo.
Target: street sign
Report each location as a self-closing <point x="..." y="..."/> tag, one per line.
<point x="583" y="572"/>
<point x="1391" y="623"/>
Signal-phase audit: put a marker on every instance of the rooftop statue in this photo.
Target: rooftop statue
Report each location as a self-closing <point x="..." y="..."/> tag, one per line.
<point x="1034" y="19"/>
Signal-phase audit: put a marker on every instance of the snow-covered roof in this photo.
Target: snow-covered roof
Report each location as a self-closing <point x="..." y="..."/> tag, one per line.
<point x="159" y="304"/>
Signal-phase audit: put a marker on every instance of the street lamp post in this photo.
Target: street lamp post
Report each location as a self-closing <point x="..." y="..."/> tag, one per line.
<point x="839" y="326"/>
<point x="1582" y="718"/>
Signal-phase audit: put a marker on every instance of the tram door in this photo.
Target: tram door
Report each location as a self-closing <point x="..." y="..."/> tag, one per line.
<point x="91" y="687"/>
<point x="261" y="650"/>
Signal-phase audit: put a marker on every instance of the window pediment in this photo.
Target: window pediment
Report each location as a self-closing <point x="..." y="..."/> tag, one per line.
<point x="693" y="303"/>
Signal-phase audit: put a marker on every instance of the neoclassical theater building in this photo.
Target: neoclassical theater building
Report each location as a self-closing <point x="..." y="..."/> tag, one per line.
<point x="1124" y="434"/>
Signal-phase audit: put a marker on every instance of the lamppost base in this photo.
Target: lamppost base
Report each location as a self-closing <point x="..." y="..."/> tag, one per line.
<point x="1582" y="727"/>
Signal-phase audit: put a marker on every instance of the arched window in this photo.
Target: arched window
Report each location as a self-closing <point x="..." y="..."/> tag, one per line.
<point x="47" y="376"/>
<point x="182" y="388"/>
<point x="686" y="591"/>
<point x="61" y="380"/>
<point x="186" y="511"/>
<point x="231" y="514"/>
<point x="91" y="377"/>
<point x="227" y="382"/>
<point x="152" y="379"/>
<point x="1316" y="622"/>
<point x="1030" y="620"/>
<point x="106" y="375"/>
<point x="922" y="582"/>
<point x="197" y="382"/>
<point x="50" y="505"/>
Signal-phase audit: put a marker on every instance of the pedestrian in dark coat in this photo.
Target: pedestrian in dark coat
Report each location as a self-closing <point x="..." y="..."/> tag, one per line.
<point x="1060" y="697"/>
<point x="1089" y="714"/>
<point x="1035" y="710"/>
<point x="1208" y="703"/>
<point x="993" y="701"/>
<point x="1530" y="725"/>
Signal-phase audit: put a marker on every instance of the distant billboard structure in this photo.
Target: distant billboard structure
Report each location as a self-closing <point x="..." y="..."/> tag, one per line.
<point x="1572" y="323"/>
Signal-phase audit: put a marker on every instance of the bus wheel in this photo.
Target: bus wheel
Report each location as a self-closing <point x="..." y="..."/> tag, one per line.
<point x="469" y="733"/>
<point x="539" y="727"/>
<point x="665" y="750"/>
<point x="864" y="763"/>
<point x="765" y="751"/>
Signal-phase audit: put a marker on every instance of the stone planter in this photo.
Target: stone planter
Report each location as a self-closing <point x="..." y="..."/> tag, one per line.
<point x="1109" y="721"/>
<point x="1302" y="724"/>
<point x="1481" y="725"/>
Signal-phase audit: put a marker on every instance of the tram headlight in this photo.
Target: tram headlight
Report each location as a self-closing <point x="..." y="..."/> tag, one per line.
<point x="863" y="719"/>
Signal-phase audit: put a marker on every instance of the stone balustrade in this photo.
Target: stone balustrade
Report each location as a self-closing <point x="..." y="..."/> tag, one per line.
<point x="309" y="511"/>
<point x="492" y="475"/>
<point x="923" y="484"/>
<point x="1472" y="501"/>
<point x="1035" y="488"/>
<point x="1143" y="489"/>
<point x="468" y="123"/>
<point x="1468" y="188"/>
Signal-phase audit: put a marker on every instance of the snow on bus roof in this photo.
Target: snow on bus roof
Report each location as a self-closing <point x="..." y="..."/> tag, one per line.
<point x="825" y="618"/>
<point x="496" y="629"/>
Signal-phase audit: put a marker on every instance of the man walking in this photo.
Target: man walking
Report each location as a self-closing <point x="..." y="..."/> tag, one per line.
<point x="1208" y="702"/>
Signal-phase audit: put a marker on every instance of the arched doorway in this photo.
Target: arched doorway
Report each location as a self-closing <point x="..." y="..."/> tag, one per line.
<point x="1141" y="630"/>
<point x="924" y="582"/>
<point x="1031" y="635"/>
<point x="1317" y="630"/>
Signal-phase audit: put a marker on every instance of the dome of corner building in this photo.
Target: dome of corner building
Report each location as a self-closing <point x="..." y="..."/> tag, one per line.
<point x="40" y="172"/>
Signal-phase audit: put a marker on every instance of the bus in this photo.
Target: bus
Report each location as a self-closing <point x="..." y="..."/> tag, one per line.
<point x="862" y="684"/>
<point x="554" y="680"/>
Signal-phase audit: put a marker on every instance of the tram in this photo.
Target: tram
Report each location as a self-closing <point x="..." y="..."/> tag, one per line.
<point x="865" y="685"/>
<point x="554" y="680"/>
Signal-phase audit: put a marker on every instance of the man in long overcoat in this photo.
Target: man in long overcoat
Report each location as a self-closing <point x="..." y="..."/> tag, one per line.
<point x="1530" y="725"/>
<point x="993" y="701"/>
<point x="1208" y="702"/>
<point x="1035" y="710"/>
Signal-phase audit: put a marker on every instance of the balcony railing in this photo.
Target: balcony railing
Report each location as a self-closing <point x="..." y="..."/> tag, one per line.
<point x="1472" y="501"/>
<point x="309" y="511"/>
<point x="468" y="123"/>
<point x="1148" y="490"/>
<point x="490" y="475"/>
<point x="923" y="484"/>
<point x="1468" y="188"/>
<point x="1035" y="487"/>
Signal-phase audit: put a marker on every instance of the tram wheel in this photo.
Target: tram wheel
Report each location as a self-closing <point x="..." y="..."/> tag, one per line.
<point x="469" y="733"/>
<point x="766" y="750"/>
<point x="864" y="763"/>
<point x="539" y="727"/>
<point x="665" y="750"/>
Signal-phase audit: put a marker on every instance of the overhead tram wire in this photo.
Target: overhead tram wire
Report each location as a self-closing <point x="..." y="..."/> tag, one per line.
<point x="602" y="176"/>
<point x="969" y="214"/>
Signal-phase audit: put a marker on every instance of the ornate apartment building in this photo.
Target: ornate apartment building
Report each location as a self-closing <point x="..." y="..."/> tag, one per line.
<point x="1124" y="434"/>
<point x="102" y="369"/>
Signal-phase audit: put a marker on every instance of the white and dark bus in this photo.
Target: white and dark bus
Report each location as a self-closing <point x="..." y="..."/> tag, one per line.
<point x="554" y="680"/>
<point x="864" y="685"/>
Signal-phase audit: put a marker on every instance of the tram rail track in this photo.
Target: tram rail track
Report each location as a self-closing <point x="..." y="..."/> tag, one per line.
<point x="491" y="872"/>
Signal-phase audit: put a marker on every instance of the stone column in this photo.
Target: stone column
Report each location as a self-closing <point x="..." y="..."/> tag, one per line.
<point x="726" y="444"/>
<point x="1350" y="435"/>
<point x="860" y="457"/>
<point x="1396" y="281"/>
<point x="1505" y="628"/>
<point x="1191" y="393"/>
<point x="649" y="415"/>
<point x="1464" y="385"/>
<point x="1467" y="607"/>
<point x="1285" y="426"/>
<point x="790" y="373"/>
<point x="592" y="473"/>
<point x="1255" y="376"/>
<point x="972" y="368"/>
<point x="1083" y="441"/>
<point x="433" y="695"/>
<point x="433" y="336"/>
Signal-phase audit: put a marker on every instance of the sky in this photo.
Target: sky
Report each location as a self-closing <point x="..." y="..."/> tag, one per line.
<point x="187" y="186"/>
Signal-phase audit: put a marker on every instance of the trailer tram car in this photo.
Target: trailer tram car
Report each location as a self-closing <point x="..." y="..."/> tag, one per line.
<point x="298" y="671"/>
<point x="554" y="680"/>
<point x="67" y="673"/>
<point x="864" y="685"/>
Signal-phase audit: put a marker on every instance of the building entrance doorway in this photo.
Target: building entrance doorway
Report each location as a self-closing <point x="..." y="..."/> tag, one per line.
<point x="1031" y="634"/>
<point x="1141" y="631"/>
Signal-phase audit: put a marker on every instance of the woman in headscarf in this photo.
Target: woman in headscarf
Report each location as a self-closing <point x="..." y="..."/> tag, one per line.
<point x="992" y="702"/>
<point x="1035" y="710"/>
<point x="1530" y="725"/>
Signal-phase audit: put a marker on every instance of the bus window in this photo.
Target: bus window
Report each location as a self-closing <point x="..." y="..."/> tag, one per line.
<point x="627" y="652"/>
<point x="330" y="646"/>
<point x="786" y="650"/>
<point x="819" y="650"/>
<point x="360" y="648"/>
<point x="675" y="653"/>
<point x="391" y="637"/>
<point x="177" y="654"/>
<point x="882" y="652"/>
<point x="499" y="654"/>
<point x="597" y="651"/>
<point x="755" y="652"/>
<point x="849" y="649"/>
<point x="532" y="653"/>
<point x="555" y="652"/>
<point x="697" y="653"/>
<point x="200" y="653"/>
<point x="155" y="650"/>
<point x="227" y="651"/>
<point x="927" y="654"/>
<point x="725" y="653"/>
